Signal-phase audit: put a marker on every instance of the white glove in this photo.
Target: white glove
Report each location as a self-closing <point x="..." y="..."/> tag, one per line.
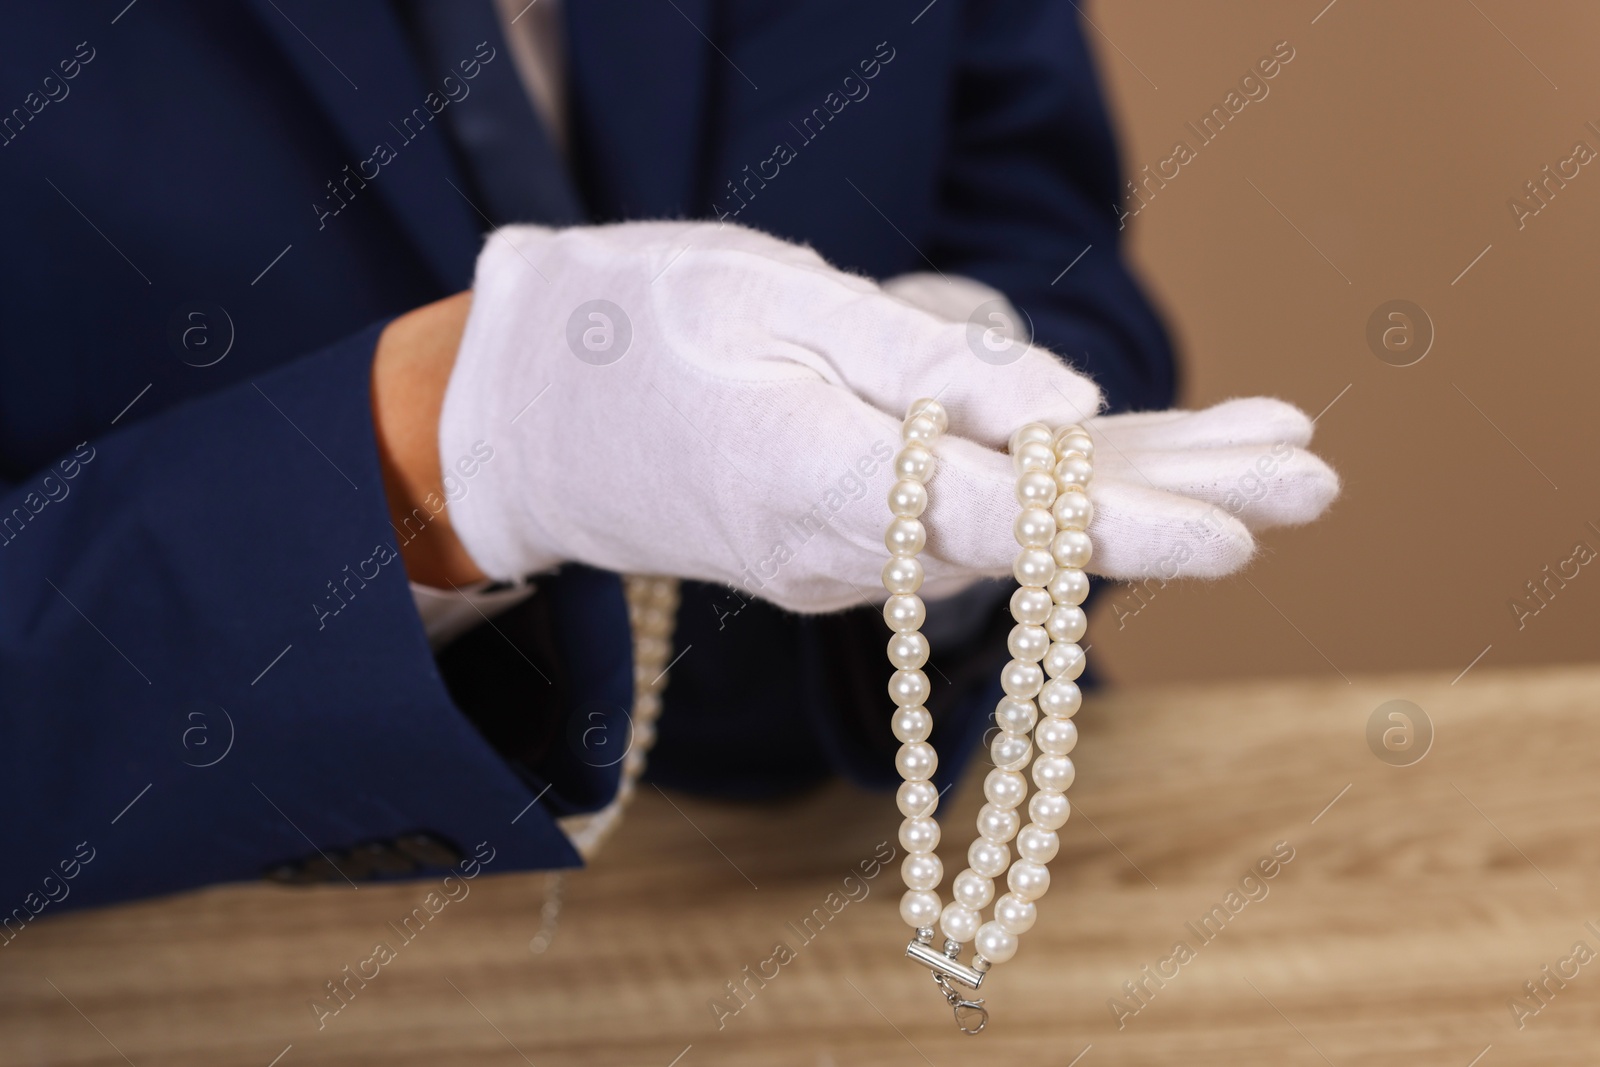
<point x="731" y="412"/>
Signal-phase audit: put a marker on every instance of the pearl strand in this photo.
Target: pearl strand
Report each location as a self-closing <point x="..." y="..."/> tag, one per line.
<point x="1041" y="695"/>
<point x="908" y="652"/>
<point x="1053" y="475"/>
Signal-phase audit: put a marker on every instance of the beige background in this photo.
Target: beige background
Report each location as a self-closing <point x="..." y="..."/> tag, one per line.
<point x="1392" y="143"/>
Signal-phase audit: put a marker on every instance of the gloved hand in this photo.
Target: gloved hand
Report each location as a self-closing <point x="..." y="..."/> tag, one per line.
<point x="731" y="410"/>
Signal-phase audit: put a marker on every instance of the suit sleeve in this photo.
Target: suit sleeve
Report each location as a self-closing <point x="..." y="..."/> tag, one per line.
<point x="1030" y="189"/>
<point x="211" y="666"/>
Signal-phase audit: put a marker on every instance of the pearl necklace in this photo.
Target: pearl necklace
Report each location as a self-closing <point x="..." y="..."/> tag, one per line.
<point x="1053" y="475"/>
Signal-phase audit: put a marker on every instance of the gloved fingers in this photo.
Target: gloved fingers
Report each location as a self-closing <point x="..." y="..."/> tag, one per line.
<point x="1140" y="532"/>
<point x="852" y="332"/>
<point x="987" y="403"/>
<point x="1255" y="421"/>
<point x="1264" y="486"/>
<point x="972" y="504"/>
<point x="991" y="381"/>
<point x="1137" y="530"/>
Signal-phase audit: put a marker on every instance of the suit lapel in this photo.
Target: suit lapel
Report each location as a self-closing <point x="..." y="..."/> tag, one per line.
<point x="639" y="81"/>
<point x="353" y="57"/>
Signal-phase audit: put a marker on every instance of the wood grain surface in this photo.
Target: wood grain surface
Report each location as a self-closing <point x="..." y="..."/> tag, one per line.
<point x="1418" y="902"/>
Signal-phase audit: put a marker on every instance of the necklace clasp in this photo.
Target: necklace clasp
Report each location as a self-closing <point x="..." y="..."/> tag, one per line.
<point x="971" y="1015"/>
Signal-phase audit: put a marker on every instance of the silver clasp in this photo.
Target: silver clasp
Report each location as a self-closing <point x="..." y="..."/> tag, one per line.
<point x="971" y="1015"/>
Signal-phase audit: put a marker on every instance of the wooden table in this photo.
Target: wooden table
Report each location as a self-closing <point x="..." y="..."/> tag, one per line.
<point x="1418" y="902"/>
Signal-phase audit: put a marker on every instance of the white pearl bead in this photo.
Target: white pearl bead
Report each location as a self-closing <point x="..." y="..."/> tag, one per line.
<point x="998" y="824"/>
<point x="1055" y="737"/>
<point x="1028" y="642"/>
<point x="903" y="574"/>
<point x="1075" y="439"/>
<point x="643" y="734"/>
<point x="1036" y="489"/>
<point x="973" y="890"/>
<point x="908" y="650"/>
<point x="1049" y="809"/>
<point x="906" y="537"/>
<point x="1066" y="625"/>
<point x="915" y="462"/>
<point x="1004" y="789"/>
<point x="928" y="407"/>
<point x="1034" y="566"/>
<point x="652" y="621"/>
<point x="922" y="870"/>
<point x="905" y="612"/>
<point x="1019" y="678"/>
<point x="1014" y="914"/>
<point x="1031" y="605"/>
<point x="1015" y="714"/>
<point x="1067" y="659"/>
<point x="908" y="498"/>
<point x="921" y="799"/>
<point x="959" y="922"/>
<point x="995" y="943"/>
<point x="919" y="428"/>
<point x="988" y="859"/>
<point x="915" y="724"/>
<point x="1028" y="880"/>
<point x="919" y="834"/>
<point x="1072" y="548"/>
<point x="652" y="649"/>
<point x="910" y="688"/>
<point x="1033" y="528"/>
<point x="1069" y="586"/>
<point x="919" y="908"/>
<point x="1064" y="658"/>
<point x="1034" y="456"/>
<point x="1072" y="510"/>
<point x="916" y="761"/>
<point x="1033" y="431"/>
<point x="1010" y="751"/>
<point x="1061" y="698"/>
<point x="1073" y="470"/>
<point x="1054" y="773"/>
<point x="1037" y="844"/>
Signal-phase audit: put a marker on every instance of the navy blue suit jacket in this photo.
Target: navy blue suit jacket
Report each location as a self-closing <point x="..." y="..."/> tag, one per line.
<point x="188" y="476"/>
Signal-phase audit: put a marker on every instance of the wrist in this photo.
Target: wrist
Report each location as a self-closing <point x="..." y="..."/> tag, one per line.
<point x="410" y="371"/>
